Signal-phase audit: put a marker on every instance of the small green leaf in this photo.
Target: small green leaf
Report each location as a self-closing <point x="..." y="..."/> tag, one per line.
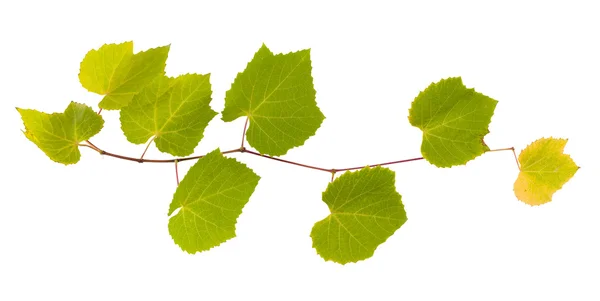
<point x="276" y="93"/>
<point x="115" y="72"/>
<point x="210" y="198"/>
<point x="365" y="211"/>
<point x="454" y="121"/>
<point x="173" y="110"/>
<point x="544" y="170"/>
<point x="59" y="134"/>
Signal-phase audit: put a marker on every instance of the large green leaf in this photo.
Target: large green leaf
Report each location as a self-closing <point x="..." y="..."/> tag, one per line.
<point x="173" y="110"/>
<point x="59" y="134"/>
<point x="276" y="93"/>
<point x="544" y="170"/>
<point x="118" y="74"/>
<point x="210" y="198"/>
<point x="365" y="211"/>
<point x="454" y="121"/>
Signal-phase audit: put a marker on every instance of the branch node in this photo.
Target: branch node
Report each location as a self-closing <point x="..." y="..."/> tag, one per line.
<point x="242" y="149"/>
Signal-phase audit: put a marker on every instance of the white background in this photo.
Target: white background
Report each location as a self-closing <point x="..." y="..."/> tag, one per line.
<point x="98" y="230"/>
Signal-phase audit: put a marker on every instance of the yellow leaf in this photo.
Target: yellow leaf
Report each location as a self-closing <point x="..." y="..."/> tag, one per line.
<point x="544" y="170"/>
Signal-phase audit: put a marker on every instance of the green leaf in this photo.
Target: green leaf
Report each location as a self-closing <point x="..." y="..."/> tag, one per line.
<point x="544" y="170"/>
<point x="276" y="93"/>
<point x="210" y="198"/>
<point x="59" y="134"/>
<point x="365" y="211"/>
<point x="454" y="121"/>
<point x="175" y="111"/>
<point x="115" y="72"/>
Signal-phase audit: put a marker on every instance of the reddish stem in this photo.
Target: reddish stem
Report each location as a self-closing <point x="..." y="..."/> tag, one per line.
<point x="381" y="164"/>
<point x="286" y="161"/>
<point x="176" y="172"/>
<point x="516" y="158"/>
<point x="102" y="152"/>
<point x="244" y="150"/>
<point x="244" y="132"/>
<point x="147" y="146"/>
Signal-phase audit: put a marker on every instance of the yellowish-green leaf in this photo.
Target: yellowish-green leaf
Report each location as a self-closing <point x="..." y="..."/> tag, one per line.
<point x="210" y="198"/>
<point x="276" y="93"/>
<point x="175" y="111"/>
<point x="544" y="170"/>
<point x="454" y="121"/>
<point x="365" y="210"/>
<point x="118" y="74"/>
<point x="58" y="135"/>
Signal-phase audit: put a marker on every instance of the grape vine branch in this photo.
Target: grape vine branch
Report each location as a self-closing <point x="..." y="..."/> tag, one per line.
<point x="275" y="94"/>
<point x="243" y="149"/>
